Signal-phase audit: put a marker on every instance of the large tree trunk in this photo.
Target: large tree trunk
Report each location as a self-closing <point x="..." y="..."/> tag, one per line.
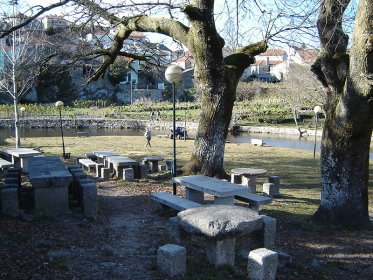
<point x="217" y="78"/>
<point x="344" y="170"/>
<point x="349" y="111"/>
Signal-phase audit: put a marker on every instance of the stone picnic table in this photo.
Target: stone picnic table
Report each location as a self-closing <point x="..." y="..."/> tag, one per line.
<point x="118" y="163"/>
<point x="246" y="177"/>
<point x="23" y="154"/>
<point x="152" y="163"/>
<point x="50" y="180"/>
<point x="197" y="185"/>
<point x="220" y="225"/>
<point x="101" y="155"/>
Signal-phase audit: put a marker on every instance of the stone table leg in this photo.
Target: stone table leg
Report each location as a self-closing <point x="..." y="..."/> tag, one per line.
<point x="24" y="164"/>
<point x="249" y="182"/>
<point x="52" y="200"/>
<point x="229" y="200"/>
<point x="221" y="253"/>
<point x="153" y="165"/>
<point x="194" y="195"/>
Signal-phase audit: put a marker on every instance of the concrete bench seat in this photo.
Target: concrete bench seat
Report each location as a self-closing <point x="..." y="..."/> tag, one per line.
<point x="173" y="201"/>
<point x="257" y="142"/>
<point x="254" y="200"/>
<point x="88" y="163"/>
<point x="4" y="164"/>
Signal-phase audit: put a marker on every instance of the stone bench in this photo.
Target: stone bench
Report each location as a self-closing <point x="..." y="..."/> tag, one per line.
<point x="220" y="225"/>
<point x="5" y="165"/>
<point x="257" y="142"/>
<point x="82" y="134"/>
<point x="173" y="201"/>
<point x="255" y="201"/>
<point x="88" y="163"/>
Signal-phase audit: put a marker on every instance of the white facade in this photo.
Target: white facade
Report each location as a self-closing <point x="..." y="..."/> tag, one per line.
<point x="55" y="22"/>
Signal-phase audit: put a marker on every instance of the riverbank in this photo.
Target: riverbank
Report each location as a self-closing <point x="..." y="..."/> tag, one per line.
<point x="99" y="123"/>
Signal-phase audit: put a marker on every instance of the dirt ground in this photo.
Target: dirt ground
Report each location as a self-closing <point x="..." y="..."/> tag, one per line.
<point x="123" y="242"/>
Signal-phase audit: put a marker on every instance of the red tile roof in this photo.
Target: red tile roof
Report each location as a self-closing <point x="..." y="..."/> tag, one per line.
<point x="308" y="55"/>
<point x="273" y="52"/>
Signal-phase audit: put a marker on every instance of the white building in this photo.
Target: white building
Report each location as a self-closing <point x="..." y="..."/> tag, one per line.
<point x="55" y="22"/>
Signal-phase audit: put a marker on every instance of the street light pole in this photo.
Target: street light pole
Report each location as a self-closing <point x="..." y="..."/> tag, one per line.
<point x="173" y="75"/>
<point x="22" y="109"/>
<point x="59" y="105"/>
<point x="317" y="110"/>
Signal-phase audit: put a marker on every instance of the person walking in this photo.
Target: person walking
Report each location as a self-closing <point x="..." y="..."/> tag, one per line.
<point x="148" y="136"/>
<point x="151" y="116"/>
<point x="158" y="115"/>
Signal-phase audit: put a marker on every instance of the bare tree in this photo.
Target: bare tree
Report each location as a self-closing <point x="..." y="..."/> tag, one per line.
<point x="193" y="24"/>
<point x="347" y="80"/>
<point x="21" y="51"/>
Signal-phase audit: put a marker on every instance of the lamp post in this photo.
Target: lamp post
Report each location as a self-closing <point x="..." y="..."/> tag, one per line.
<point x="59" y="105"/>
<point x="23" y="109"/>
<point x="317" y="110"/>
<point x="131" y="90"/>
<point x="173" y="75"/>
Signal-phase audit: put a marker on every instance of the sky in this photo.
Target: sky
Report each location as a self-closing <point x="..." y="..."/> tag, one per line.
<point x="250" y="27"/>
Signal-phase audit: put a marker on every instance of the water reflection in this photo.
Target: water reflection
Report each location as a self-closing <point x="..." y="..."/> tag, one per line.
<point x="276" y="140"/>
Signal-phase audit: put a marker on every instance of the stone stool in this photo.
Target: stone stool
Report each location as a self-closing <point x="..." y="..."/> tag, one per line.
<point x="268" y="189"/>
<point x="162" y="167"/>
<point x="105" y="173"/>
<point x="89" y="200"/>
<point x="143" y="171"/>
<point x="99" y="166"/>
<point x="171" y="260"/>
<point x="128" y="174"/>
<point x="9" y="200"/>
<point x="169" y="165"/>
<point x="262" y="264"/>
<point x="276" y="181"/>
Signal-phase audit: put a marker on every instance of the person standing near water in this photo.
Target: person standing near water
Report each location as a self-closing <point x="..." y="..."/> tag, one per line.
<point x="158" y="115"/>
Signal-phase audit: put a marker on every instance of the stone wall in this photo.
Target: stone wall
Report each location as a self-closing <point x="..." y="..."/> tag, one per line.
<point x="93" y="123"/>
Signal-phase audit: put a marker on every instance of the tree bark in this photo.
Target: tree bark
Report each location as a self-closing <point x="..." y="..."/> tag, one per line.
<point x="217" y="78"/>
<point x="348" y="126"/>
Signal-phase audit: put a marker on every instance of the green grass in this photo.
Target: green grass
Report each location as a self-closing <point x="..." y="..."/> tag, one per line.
<point x="298" y="170"/>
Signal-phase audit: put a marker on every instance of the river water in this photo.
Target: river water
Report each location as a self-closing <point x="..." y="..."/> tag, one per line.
<point x="276" y="140"/>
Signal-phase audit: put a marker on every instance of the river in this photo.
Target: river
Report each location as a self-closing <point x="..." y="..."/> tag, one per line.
<point x="277" y="140"/>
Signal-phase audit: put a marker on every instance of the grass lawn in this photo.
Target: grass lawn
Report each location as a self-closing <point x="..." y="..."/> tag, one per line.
<point x="338" y="253"/>
<point x="298" y="170"/>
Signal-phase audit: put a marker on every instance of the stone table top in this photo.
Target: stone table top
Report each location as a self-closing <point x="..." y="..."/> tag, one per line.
<point x="48" y="172"/>
<point x="248" y="171"/>
<point x="219" y="221"/>
<point x="23" y="152"/>
<point x="153" y="158"/>
<point x="119" y="160"/>
<point x="104" y="153"/>
<point x="210" y="185"/>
